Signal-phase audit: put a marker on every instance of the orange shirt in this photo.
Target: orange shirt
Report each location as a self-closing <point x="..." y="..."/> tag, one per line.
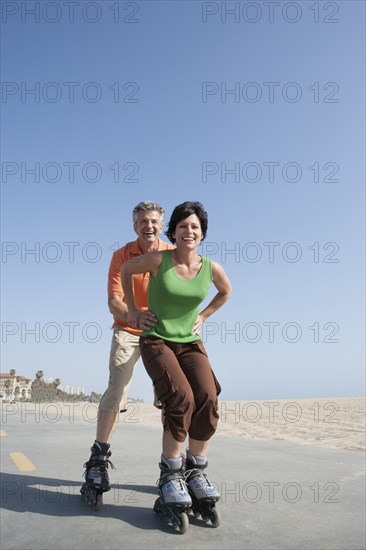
<point x="140" y="281"/>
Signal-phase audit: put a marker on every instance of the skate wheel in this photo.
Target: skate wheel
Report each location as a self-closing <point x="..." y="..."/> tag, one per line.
<point x="85" y="494"/>
<point x="205" y="518"/>
<point x="184" y="523"/>
<point x="196" y="514"/>
<point x="215" y="517"/>
<point x="157" y="508"/>
<point x="98" y="502"/>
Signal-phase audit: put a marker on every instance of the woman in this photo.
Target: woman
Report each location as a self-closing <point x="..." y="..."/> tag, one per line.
<point x="173" y="353"/>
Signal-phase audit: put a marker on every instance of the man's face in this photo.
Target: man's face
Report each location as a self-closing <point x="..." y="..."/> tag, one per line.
<point x="148" y="226"/>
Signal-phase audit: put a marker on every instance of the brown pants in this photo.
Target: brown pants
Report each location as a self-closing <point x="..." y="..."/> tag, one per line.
<point x="185" y="384"/>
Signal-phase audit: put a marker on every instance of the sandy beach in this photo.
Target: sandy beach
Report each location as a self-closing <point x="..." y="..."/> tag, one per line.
<point x="328" y="422"/>
<point x="337" y="422"/>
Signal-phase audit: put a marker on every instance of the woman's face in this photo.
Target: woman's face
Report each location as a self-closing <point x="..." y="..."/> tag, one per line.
<point x="188" y="233"/>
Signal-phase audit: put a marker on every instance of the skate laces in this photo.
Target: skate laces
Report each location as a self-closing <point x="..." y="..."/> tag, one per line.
<point x="95" y="465"/>
<point x="175" y="484"/>
<point x="177" y="478"/>
<point x="179" y="484"/>
<point x="194" y="473"/>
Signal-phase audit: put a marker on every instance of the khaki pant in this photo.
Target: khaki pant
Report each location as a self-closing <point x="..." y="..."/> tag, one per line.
<point x="185" y="384"/>
<point x="125" y="353"/>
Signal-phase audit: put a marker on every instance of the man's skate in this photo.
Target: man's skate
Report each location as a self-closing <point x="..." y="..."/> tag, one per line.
<point x="96" y="476"/>
<point x="174" y="500"/>
<point x="203" y="493"/>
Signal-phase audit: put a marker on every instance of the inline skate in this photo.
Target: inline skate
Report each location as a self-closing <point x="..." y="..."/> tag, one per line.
<point x="96" y="475"/>
<point x="173" y="501"/>
<point x="203" y="494"/>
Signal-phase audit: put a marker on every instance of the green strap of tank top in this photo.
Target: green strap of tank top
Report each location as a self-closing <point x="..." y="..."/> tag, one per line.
<point x="176" y="302"/>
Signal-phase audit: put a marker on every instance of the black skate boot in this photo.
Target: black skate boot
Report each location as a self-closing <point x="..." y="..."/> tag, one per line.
<point x="96" y="474"/>
<point x="174" y="500"/>
<point x="203" y="493"/>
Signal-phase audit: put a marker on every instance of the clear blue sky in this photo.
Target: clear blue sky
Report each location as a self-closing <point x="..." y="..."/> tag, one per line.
<point x="148" y="89"/>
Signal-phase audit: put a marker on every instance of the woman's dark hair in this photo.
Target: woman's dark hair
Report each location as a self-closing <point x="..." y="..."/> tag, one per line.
<point x="181" y="212"/>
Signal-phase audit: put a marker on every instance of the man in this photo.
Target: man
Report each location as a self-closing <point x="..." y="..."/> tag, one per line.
<point x="148" y="220"/>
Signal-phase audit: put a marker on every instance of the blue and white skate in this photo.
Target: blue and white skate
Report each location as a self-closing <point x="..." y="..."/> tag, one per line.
<point x="174" y="501"/>
<point x="203" y="494"/>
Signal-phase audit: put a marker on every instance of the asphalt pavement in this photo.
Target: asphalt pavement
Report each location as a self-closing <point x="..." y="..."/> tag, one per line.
<point x="275" y="495"/>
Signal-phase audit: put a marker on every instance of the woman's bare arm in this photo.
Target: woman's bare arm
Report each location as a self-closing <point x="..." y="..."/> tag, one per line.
<point x="222" y="283"/>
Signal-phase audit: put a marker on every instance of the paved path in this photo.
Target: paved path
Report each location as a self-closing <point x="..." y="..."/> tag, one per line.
<point x="274" y="495"/>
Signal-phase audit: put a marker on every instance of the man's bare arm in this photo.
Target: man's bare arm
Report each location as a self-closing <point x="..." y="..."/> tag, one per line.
<point x="117" y="307"/>
<point x="148" y="263"/>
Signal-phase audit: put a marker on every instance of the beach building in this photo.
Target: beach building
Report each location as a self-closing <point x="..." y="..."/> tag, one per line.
<point x="14" y="387"/>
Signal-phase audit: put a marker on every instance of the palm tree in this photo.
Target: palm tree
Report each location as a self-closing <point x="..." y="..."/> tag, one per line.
<point x="39" y="375"/>
<point x="12" y="372"/>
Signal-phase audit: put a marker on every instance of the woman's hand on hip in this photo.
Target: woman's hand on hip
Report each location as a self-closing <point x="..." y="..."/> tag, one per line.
<point x="198" y="324"/>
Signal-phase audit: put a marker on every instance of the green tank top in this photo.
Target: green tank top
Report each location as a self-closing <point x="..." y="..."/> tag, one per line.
<point x="176" y="302"/>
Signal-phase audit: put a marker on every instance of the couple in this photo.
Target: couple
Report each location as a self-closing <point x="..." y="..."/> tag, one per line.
<point x="158" y="288"/>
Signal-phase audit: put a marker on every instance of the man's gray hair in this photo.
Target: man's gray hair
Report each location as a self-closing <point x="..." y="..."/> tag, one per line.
<point x="145" y="206"/>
